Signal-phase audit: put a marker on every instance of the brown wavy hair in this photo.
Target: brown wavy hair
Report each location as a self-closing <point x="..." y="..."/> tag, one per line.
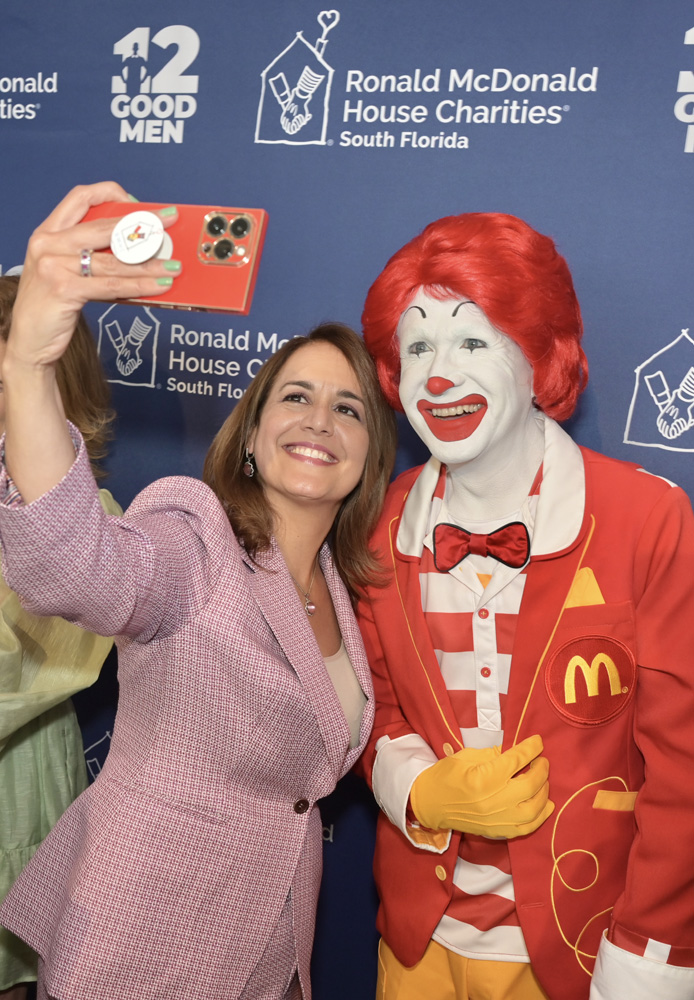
<point x="81" y="380"/>
<point x="244" y="499"/>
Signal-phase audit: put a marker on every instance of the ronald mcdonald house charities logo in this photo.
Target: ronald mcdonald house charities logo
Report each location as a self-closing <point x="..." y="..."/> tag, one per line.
<point x="661" y="412"/>
<point x="153" y="93"/>
<point x="127" y="345"/>
<point x="14" y="105"/>
<point x="295" y="90"/>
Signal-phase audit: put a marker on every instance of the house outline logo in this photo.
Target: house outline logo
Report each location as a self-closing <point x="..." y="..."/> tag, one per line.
<point x="295" y="91"/>
<point x="661" y="411"/>
<point x="128" y="351"/>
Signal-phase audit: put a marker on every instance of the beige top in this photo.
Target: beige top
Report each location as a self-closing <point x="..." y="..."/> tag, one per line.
<point x="348" y="690"/>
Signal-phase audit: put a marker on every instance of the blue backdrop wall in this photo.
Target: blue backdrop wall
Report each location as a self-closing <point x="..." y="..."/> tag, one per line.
<point x="577" y="116"/>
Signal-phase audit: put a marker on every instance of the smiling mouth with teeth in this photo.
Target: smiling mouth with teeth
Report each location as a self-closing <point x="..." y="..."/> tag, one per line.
<point x="315" y="453"/>
<point x="456" y="421"/>
<point x="455" y="411"/>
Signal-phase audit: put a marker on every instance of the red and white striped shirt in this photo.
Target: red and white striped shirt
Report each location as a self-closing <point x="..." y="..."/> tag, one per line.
<point x="472" y="612"/>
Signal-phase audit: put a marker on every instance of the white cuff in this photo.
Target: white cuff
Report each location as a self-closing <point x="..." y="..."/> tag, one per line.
<point x="619" y="973"/>
<point x="398" y="762"/>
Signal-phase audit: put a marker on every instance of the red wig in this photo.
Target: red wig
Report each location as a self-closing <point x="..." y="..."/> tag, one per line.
<point x="513" y="273"/>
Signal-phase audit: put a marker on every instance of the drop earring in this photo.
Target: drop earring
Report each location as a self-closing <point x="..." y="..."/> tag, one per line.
<point x="249" y="465"/>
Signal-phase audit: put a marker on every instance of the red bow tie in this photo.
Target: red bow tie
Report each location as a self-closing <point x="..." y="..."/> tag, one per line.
<point x="509" y="544"/>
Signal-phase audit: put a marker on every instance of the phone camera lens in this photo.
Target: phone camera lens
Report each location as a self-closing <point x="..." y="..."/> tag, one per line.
<point x="223" y="249"/>
<point x="216" y="225"/>
<point x="240" y="227"/>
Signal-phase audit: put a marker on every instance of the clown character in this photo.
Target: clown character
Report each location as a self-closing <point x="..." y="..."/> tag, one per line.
<point x="532" y="651"/>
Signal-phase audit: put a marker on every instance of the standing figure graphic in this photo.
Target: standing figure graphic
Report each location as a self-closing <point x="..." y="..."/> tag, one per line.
<point x="134" y="72"/>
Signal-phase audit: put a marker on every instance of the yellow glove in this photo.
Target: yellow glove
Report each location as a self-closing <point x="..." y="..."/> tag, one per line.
<point x="475" y="791"/>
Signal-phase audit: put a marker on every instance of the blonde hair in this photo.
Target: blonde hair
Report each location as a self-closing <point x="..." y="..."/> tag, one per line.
<point x="81" y="380"/>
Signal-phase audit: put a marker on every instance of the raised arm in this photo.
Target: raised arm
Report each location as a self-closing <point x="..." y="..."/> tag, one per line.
<point x="52" y="290"/>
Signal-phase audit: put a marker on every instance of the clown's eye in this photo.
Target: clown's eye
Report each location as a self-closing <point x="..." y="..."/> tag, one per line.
<point x="472" y="344"/>
<point x="419" y="347"/>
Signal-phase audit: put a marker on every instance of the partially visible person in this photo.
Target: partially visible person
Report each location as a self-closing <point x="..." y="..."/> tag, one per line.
<point x="192" y="865"/>
<point x="532" y="653"/>
<point x="42" y="662"/>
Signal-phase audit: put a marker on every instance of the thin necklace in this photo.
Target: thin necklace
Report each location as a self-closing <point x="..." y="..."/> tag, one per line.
<point x="309" y="606"/>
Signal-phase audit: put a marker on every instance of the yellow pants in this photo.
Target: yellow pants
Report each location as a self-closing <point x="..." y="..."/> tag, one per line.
<point x="442" y="975"/>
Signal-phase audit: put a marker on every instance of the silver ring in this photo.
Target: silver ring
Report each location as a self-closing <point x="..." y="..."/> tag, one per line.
<point x="86" y="263"/>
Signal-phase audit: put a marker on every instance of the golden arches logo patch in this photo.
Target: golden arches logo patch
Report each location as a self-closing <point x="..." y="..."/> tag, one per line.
<point x="591" y="679"/>
<point x="591" y="675"/>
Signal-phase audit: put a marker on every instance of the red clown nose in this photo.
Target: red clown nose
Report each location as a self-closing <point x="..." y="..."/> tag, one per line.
<point x="437" y="386"/>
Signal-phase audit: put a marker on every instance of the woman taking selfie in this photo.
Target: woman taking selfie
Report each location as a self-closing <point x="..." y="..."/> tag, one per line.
<point x="192" y="865"/>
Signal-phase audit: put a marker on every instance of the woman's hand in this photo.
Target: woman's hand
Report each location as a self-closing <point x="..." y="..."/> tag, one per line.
<point x="52" y="289"/>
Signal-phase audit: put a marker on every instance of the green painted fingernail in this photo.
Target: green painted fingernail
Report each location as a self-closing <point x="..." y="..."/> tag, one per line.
<point x="131" y="197"/>
<point x="172" y="265"/>
<point x="165" y="282"/>
<point x="171" y="210"/>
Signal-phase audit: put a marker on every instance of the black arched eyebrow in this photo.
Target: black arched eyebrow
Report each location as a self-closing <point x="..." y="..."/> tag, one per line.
<point x="309" y="386"/>
<point x="424" y="315"/>
<point x="465" y="302"/>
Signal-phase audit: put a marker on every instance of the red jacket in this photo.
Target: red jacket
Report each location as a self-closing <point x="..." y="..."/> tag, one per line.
<point x="603" y="670"/>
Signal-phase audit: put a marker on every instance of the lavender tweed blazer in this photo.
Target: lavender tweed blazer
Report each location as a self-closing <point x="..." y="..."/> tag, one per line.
<point x="166" y="877"/>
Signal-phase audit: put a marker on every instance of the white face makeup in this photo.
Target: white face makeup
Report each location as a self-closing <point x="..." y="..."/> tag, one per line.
<point x="465" y="386"/>
<point x="311" y="441"/>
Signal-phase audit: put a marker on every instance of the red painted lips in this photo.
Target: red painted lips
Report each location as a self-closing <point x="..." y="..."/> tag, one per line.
<point x="457" y="425"/>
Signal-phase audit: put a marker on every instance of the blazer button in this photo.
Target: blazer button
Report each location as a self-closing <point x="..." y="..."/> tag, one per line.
<point x="300" y="806"/>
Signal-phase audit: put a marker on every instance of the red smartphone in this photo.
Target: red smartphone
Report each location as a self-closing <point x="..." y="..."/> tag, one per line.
<point x="219" y="249"/>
